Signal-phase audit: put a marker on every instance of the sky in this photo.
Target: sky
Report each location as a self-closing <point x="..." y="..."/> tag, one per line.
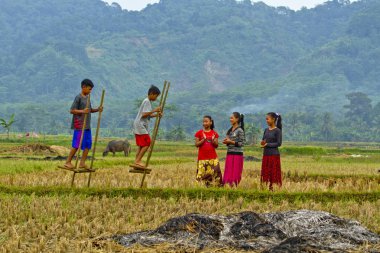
<point x="292" y="4"/>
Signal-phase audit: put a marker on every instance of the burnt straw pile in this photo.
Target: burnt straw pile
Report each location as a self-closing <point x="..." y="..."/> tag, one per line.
<point x="293" y="231"/>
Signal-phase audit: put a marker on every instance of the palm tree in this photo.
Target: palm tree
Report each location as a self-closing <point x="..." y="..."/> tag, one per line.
<point x="7" y="125"/>
<point x="327" y="127"/>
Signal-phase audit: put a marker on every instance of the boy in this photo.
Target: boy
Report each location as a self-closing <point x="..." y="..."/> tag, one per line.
<point x="78" y="110"/>
<point x="141" y="123"/>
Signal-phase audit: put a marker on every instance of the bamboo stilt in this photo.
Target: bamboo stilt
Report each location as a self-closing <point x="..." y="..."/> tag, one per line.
<point x="96" y="138"/>
<point x="73" y="178"/>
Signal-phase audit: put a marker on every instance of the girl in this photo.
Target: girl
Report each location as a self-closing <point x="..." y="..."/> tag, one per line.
<point x="272" y="139"/>
<point x="206" y="140"/>
<point x="234" y="141"/>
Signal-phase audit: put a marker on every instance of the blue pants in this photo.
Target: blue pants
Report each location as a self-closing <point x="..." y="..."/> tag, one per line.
<point x="87" y="139"/>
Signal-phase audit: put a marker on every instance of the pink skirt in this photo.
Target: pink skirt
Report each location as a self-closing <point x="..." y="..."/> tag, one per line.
<point x="233" y="169"/>
<point x="271" y="170"/>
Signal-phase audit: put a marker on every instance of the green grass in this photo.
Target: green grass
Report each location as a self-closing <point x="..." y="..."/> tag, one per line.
<point x="200" y="193"/>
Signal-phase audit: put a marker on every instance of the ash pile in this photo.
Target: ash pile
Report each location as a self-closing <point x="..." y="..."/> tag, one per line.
<point x="293" y="231"/>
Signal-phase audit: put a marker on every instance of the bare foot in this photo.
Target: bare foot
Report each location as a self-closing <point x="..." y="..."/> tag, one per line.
<point x="69" y="165"/>
<point x="83" y="166"/>
<point x="140" y="165"/>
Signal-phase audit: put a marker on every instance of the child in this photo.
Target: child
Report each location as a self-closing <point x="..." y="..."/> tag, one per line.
<point x="206" y="140"/>
<point x="141" y="124"/>
<point x="235" y="159"/>
<point x="272" y="139"/>
<point x="78" y="110"/>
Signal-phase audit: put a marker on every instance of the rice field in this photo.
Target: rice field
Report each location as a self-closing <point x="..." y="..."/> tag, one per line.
<point x="40" y="213"/>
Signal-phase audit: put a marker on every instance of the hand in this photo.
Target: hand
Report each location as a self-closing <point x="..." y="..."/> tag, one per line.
<point x="158" y="109"/>
<point x="204" y="136"/>
<point x="160" y="114"/>
<point x="213" y="137"/>
<point x="263" y="143"/>
<point x="100" y="109"/>
<point x="227" y="141"/>
<point x="86" y="111"/>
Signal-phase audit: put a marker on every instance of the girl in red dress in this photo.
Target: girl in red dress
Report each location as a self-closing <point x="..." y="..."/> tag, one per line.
<point x="206" y="140"/>
<point x="272" y="140"/>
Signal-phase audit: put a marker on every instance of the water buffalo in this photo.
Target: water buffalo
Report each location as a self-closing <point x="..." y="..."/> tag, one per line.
<point x="118" y="146"/>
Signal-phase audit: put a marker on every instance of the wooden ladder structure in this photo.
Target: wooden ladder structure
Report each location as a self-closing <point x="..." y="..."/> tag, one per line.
<point x="147" y="170"/>
<point x="77" y="170"/>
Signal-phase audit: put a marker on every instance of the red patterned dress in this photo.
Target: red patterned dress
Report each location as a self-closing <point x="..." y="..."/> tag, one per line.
<point x="271" y="164"/>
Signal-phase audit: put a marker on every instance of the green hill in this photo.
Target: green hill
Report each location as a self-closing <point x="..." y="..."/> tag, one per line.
<point x="220" y="55"/>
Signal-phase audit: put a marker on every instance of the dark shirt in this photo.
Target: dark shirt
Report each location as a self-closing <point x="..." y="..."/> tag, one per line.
<point x="238" y="137"/>
<point x="274" y="140"/>
<point x="80" y="104"/>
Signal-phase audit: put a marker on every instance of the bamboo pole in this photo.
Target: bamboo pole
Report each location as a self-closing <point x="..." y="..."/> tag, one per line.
<point x="81" y="138"/>
<point x="157" y="125"/>
<point x="96" y="138"/>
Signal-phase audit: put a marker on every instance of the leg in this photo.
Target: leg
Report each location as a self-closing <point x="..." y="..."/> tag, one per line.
<point x="74" y="149"/>
<point x="82" y="163"/>
<point x="86" y="146"/>
<point x="137" y="153"/>
<point x="70" y="157"/>
<point x="141" y="155"/>
<point x="143" y="141"/>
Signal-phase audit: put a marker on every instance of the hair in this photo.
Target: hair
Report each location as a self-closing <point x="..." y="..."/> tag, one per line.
<point x="212" y="121"/>
<point x="277" y="117"/>
<point x="154" y="90"/>
<point x="240" y="118"/>
<point x="87" y="83"/>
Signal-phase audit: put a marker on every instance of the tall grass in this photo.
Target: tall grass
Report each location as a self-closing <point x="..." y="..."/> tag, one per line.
<point x="74" y="223"/>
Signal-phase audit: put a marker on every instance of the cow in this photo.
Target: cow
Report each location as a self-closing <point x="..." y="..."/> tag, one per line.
<point x="118" y="146"/>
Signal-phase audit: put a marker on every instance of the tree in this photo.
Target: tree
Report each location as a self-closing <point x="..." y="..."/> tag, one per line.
<point x="327" y="126"/>
<point x="252" y="132"/>
<point x="7" y="125"/>
<point x="376" y="121"/>
<point x="293" y="124"/>
<point x="359" y="108"/>
<point x="177" y="134"/>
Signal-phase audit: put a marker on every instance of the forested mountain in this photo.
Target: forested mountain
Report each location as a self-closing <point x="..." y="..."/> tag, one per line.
<point x="220" y="55"/>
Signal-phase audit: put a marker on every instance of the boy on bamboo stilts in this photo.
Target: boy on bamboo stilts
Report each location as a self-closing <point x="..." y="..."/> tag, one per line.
<point x="141" y="124"/>
<point x="78" y="110"/>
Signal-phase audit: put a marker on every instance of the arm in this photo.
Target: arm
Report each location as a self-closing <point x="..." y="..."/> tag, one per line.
<point x="215" y="142"/>
<point x="239" y="140"/>
<point x="148" y="114"/>
<point x="99" y="109"/>
<point x="77" y="111"/>
<point x="264" y="134"/>
<point x="74" y="109"/>
<point x="199" y="142"/>
<point x="263" y="143"/>
<point x="278" y="142"/>
<point x="152" y="113"/>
